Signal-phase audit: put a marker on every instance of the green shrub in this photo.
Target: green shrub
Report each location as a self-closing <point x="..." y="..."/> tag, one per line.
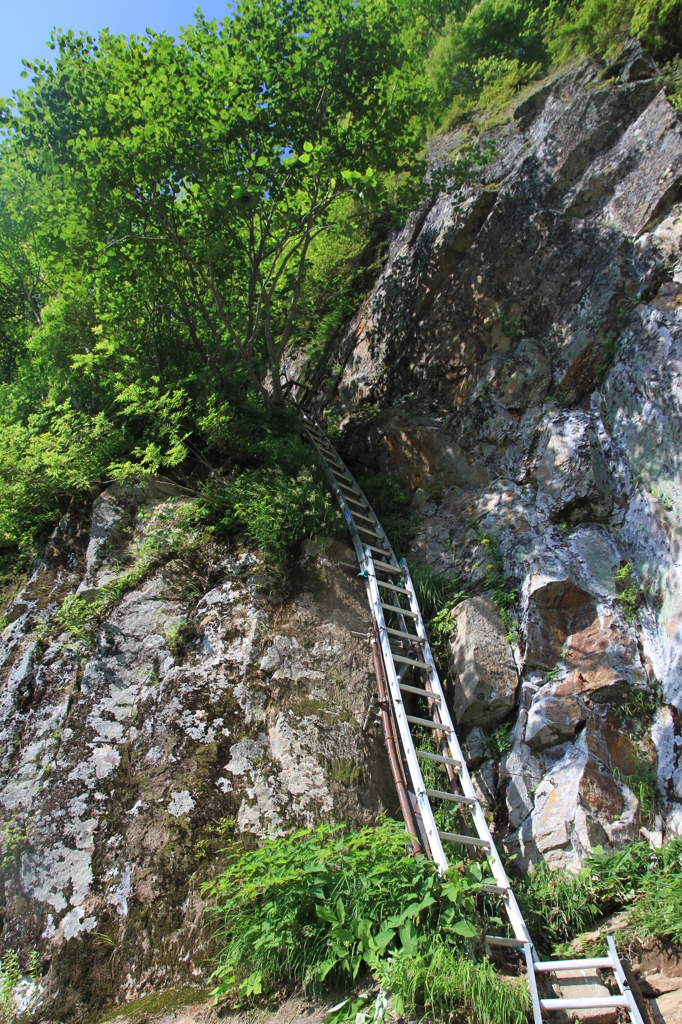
<point x="391" y="499"/>
<point x="317" y="907"/>
<point x="278" y="511"/>
<point x="658" y="24"/>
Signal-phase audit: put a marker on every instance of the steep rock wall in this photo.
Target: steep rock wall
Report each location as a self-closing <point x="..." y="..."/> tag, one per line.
<point x="519" y="362"/>
<point x="215" y="698"/>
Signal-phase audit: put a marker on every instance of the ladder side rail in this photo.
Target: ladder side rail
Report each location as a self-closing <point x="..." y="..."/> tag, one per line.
<point x="357" y="543"/>
<point x="390" y="554"/>
<point x="622" y="981"/>
<point x="480" y="823"/>
<point x="430" y="827"/>
<point x="532" y="983"/>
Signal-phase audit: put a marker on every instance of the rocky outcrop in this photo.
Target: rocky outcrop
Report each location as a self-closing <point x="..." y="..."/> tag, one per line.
<point x="518" y="361"/>
<point x="483" y="670"/>
<point x="205" y="704"/>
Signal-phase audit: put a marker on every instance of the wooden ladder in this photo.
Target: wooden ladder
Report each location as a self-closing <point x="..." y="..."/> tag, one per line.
<point x="404" y="646"/>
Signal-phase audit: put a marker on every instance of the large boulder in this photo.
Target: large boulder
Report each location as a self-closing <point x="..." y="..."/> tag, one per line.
<point x="578" y="805"/>
<point x="482" y="664"/>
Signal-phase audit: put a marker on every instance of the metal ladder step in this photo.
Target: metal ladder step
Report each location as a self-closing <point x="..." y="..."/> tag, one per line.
<point x="406" y="636"/>
<point x="552" y="966"/>
<point x="368" y="529"/>
<point x="426" y="755"/>
<point x="356" y="515"/>
<point x="454" y="798"/>
<point x="392" y="586"/>
<point x="400" y="611"/>
<point x="428" y="723"/>
<point x="586" y="1003"/>
<point x="431" y="694"/>
<point x="454" y="837"/>
<point x="410" y="661"/>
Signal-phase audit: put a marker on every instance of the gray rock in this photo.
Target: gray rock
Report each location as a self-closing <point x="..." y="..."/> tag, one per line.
<point x="577" y="806"/>
<point x="112" y="515"/>
<point x="475" y="748"/>
<point x="553" y="719"/>
<point x="573" y="474"/>
<point x="482" y="664"/>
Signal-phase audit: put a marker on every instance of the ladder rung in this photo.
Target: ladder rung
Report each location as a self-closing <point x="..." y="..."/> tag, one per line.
<point x="431" y="694"/>
<point x="426" y="755"/>
<point x="494" y="889"/>
<point x="586" y="1003"/>
<point x="356" y="515"/>
<point x="392" y="586"/>
<point x="454" y="837"/>
<point x="500" y="940"/>
<point x="397" y="632"/>
<point x="428" y="723"/>
<point x="400" y="611"/>
<point x="343" y="482"/>
<point x="454" y="798"/>
<point x="386" y="566"/>
<point x="367" y="529"/>
<point x="355" y="501"/>
<point x="574" y="965"/>
<point x="410" y="661"/>
<point x="377" y="551"/>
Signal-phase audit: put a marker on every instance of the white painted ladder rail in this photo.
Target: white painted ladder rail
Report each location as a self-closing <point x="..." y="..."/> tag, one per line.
<point x="348" y="493"/>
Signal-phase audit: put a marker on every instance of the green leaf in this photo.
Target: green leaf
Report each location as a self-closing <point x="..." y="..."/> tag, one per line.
<point x="464" y="928"/>
<point x="408" y="938"/>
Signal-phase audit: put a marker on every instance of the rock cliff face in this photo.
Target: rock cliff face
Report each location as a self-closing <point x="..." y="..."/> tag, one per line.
<point x="209" y="701"/>
<point x="519" y="362"/>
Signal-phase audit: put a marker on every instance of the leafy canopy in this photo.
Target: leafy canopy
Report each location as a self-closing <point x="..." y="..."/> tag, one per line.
<point x="217" y="160"/>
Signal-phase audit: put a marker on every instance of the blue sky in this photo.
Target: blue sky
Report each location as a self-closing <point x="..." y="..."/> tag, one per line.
<point x="26" y="25"/>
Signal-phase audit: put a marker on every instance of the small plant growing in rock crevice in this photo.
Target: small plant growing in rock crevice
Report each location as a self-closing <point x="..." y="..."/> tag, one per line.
<point x="629" y="593"/>
<point x="14" y="1008"/>
<point x="179" y="636"/>
<point x="498" y="583"/>
<point x="500" y="741"/>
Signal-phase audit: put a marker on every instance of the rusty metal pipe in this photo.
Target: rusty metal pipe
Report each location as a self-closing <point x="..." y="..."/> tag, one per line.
<point x="391" y="746"/>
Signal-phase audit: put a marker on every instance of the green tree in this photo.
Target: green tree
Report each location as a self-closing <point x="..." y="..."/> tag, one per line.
<point x="218" y="160"/>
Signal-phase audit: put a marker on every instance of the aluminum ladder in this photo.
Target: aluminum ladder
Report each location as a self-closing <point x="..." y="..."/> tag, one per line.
<point x="405" y="645"/>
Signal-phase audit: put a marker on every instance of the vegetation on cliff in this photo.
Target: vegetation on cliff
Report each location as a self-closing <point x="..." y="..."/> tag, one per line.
<point x="178" y="218"/>
<point x="330" y="908"/>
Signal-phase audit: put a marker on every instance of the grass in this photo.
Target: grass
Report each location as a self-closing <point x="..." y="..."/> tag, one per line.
<point x="323" y="906"/>
<point x="559" y="905"/>
<point x="330" y="908"/>
<point x="446" y="986"/>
